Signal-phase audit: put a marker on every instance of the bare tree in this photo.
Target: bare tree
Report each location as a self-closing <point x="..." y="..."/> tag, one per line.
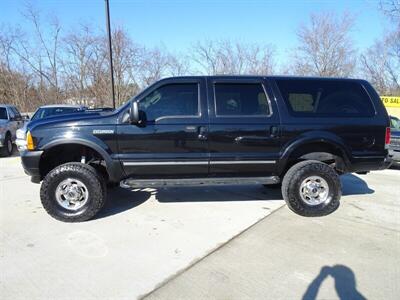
<point x="391" y="8"/>
<point x="41" y="54"/>
<point x="227" y="57"/>
<point x="325" y="46"/>
<point x="380" y="63"/>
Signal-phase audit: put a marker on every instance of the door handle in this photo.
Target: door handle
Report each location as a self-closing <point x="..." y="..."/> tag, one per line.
<point x="202" y="136"/>
<point x="274" y="131"/>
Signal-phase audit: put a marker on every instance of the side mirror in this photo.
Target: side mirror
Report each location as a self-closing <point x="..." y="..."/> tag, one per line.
<point x="26" y="117"/>
<point x="135" y="113"/>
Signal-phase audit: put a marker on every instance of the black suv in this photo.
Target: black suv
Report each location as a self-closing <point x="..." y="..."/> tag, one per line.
<point x="301" y="133"/>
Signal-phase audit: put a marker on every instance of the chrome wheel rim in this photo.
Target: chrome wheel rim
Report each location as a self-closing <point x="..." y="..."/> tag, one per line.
<point x="72" y="194"/>
<point x="9" y="146"/>
<point x="314" y="190"/>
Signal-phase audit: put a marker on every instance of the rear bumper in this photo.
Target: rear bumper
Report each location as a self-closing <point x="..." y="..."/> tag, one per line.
<point x="395" y="154"/>
<point x="366" y="164"/>
<point x="30" y="162"/>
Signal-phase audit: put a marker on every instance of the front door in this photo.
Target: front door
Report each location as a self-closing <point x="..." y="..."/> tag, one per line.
<point x="173" y="140"/>
<point x="244" y="136"/>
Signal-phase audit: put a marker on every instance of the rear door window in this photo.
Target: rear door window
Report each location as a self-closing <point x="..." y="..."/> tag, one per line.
<point x="325" y="98"/>
<point x="241" y="99"/>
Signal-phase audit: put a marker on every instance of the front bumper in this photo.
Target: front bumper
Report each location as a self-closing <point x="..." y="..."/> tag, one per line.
<point x="21" y="144"/>
<point x="30" y="162"/>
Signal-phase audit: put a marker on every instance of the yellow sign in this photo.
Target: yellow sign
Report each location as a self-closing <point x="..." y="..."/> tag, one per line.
<point x="391" y="101"/>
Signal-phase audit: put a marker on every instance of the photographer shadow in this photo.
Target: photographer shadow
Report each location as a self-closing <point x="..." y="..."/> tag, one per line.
<point x="345" y="283"/>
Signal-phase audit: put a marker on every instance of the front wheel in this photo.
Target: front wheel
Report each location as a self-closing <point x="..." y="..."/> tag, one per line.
<point x="312" y="188"/>
<point x="7" y="147"/>
<point x="73" y="192"/>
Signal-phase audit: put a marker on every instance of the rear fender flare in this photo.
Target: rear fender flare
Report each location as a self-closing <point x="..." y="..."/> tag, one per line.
<point x="334" y="142"/>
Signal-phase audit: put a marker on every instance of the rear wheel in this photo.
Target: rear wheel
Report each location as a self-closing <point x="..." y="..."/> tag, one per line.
<point x="312" y="188"/>
<point x="7" y="148"/>
<point x="73" y="192"/>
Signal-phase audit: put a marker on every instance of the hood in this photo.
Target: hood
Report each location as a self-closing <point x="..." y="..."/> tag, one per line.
<point x="76" y="118"/>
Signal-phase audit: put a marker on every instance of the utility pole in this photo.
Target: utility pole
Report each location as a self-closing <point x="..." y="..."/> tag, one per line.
<point x="110" y="50"/>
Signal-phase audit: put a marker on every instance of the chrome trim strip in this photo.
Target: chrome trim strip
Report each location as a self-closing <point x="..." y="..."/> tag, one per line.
<point x="163" y="163"/>
<point x="229" y="162"/>
<point x="171" y="163"/>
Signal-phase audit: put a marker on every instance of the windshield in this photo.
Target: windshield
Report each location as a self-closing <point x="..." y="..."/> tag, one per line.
<point x="3" y="113"/>
<point x="52" y="111"/>
<point x="395" y="123"/>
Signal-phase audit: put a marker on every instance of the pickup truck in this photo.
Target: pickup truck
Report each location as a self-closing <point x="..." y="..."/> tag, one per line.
<point x="10" y="121"/>
<point x="294" y="132"/>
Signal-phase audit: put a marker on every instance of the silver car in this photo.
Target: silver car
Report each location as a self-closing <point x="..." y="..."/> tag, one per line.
<point x="43" y="112"/>
<point x="10" y="121"/>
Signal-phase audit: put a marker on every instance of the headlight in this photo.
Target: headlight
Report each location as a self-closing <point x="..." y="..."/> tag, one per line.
<point x="21" y="134"/>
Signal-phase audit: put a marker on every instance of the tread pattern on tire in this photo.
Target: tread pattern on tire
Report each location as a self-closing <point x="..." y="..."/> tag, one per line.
<point x="289" y="190"/>
<point x="97" y="195"/>
<point x="4" y="149"/>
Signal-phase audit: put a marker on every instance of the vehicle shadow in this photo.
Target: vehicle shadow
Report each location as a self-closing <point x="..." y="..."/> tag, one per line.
<point x="227" y="193"/>
<point x="354" y="185"/>
<point x="345" y="283"/>
<point x="122" y="199"/>
<point x="395" y="166"/>
<point x="15" y="153"/>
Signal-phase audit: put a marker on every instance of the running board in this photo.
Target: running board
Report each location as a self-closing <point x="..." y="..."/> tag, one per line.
<point x="155" y="183"/>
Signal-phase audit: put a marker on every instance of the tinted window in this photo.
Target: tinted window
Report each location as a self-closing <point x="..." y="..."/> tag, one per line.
<point x="3" y="113"/>
<point x="240" y="99"/>
<point x="52" y="111"/>
<point x="172" y="100"/>
<point x="326" y="98"/>
<point x="15" y="111"/>
<point x="395" y="123"/>
<point x="11" y="113"/>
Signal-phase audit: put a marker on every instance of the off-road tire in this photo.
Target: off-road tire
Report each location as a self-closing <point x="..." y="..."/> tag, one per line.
<point x="291" y="188"/>
<point x="89" y="176"/>
<point x="4" y="151"/>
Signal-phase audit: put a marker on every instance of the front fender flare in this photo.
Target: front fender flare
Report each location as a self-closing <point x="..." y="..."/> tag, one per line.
<point x="114" y="168"/>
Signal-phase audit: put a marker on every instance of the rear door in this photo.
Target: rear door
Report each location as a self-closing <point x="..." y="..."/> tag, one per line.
<point x="18" y="117"/>
<point x="173" y="141"/>
<point x="13" y="123"/>
<point x="244" y="136"/>
<point x="339" y="109"/>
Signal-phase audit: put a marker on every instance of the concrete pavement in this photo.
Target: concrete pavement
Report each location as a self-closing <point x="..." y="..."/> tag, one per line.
<point x="197" y="243"/>
<point x="141" y="239"/>
<point x="351" y="254"/>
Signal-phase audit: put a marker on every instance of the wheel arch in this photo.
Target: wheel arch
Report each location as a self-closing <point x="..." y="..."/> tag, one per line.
<point x="320" y="149"/>
<point x="83" y="146"/>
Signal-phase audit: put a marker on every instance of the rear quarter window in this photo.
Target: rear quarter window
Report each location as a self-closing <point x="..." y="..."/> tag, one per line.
<point x="325" y="98"/>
